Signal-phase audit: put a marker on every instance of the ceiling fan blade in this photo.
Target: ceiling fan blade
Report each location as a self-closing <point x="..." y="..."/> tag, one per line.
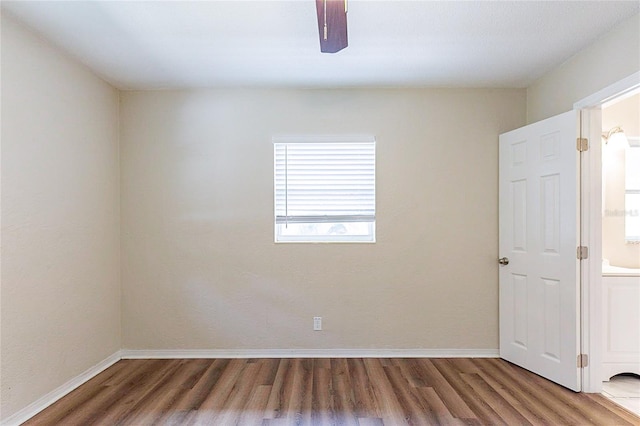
<point x="332" y="25"/>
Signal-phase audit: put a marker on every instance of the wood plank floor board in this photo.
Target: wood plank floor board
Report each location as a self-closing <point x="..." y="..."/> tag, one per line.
<point x="386" y="399"/>
<point x="196" y="395"/>
<point x="123" y="401"/>
<point x="289" y="398"/>
<point x="439" y="409"/>
<point x="160" y="395"/>
<point x="524" y="386"/>
<point x="464" y="365"/>
<point x="275" y="402"/>
<point x="452" y="399"/>
<point x="89" y="391"/>
<point x="526" y="403"/>
<point x="365" y="403"/>
<point x="413" y="375"/>
<point x="323" y="410"/>
<point x="471" y="398"/>
<point x="343" y="396"/>
<point x="418" y="412"/>
<point x="86" y="407"/>
<point x="214" y="405"/>
<point x="499" y="405"/>
<point x="268" y="371"/>
<point x="231" y="411"/>
<point x="335" y="391"/>
<point x="253" y="412"/>
<point x="300" y="412"/>
<point x="549" y="397"/>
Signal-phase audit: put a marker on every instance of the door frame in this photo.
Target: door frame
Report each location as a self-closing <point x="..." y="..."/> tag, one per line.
<point x="591" y="226"/>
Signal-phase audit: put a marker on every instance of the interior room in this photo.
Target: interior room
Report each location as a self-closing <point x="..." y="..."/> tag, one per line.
<point x="621" y="251"/>
<point x="153" y="266"/>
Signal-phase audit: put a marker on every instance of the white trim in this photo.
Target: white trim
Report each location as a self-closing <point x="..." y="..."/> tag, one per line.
<point x="611" y="369"/>
<point x="323" y="139"/>
<point x="592" y="227"/>
<point x="617" y="89"/>
<point x="306" y="353"/>
<point x="35" y="407"/>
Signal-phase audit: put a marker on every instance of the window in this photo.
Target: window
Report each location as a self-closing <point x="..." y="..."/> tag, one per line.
<point x="632" y="193"/>
<point x="325" y="189"/>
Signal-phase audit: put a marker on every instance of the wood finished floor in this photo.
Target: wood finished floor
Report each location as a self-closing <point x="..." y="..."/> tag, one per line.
<point x="326" y="392"/>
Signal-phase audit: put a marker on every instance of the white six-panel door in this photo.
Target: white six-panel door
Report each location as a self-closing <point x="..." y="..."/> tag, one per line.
<point x="539" y="287"/>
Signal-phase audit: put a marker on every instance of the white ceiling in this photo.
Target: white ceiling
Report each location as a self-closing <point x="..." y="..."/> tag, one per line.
<point x="185" y="44"/>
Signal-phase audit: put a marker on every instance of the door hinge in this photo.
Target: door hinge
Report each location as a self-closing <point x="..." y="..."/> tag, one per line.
<point x="582" y="144"/>
<point x="583" y="360"/>
<point x="583" y="252"/>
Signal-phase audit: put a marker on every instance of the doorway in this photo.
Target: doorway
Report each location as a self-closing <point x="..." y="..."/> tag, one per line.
<point x="531" y="320"/>
<point x="621" y="250"/>
<point x="603" y="231"/>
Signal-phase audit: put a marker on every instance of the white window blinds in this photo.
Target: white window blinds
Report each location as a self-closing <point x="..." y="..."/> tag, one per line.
<point x="326" y="181"/>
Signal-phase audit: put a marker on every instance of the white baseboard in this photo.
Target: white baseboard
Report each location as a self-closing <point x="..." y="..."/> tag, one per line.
<point x="48" y="399"/>
<point x="307" y="353"/>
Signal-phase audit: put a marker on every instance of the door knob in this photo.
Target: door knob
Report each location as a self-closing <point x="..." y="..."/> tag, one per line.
<point x="503" y="261"/>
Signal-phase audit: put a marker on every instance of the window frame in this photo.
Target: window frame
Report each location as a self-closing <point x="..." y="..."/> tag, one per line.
<point x="370" y="237"/>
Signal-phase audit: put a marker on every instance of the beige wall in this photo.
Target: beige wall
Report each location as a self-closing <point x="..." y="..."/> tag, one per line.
<point x="60" y="219"/>
<point x="201" y="270"/>
<point x="608" y="60"/>
<point x="625" y="113"/>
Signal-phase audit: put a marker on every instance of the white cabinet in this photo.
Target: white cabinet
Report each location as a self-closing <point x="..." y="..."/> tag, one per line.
<point x="621" y="315"/>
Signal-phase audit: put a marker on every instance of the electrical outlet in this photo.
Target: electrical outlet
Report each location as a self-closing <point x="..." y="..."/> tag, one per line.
<point x="317" y="323"/>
